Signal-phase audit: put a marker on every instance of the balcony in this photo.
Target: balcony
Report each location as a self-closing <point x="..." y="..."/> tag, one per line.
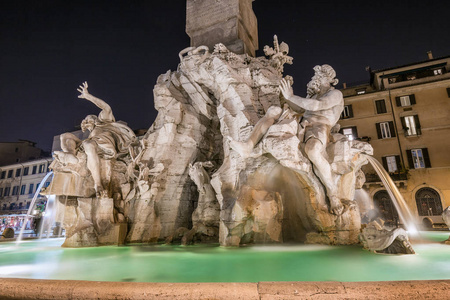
<point x="400" y="179"/>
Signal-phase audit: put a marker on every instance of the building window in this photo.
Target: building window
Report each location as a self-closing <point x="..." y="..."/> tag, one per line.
<point x="3" y="175"/>
<point x="428" y="202"/>
<point x="381" y="106"/>
<point x="20" y="205"/>
<point x="418" y="158"/>
<point x="12" y="206"/>
<point x="385" y="130"/>
<point x="411" y="125"/>
<point x="347" y="112"/>
<point x="1" y="192"/>
<point x="42" y="168"/>
<point x="34" y="170"/>
<point x="437" y="72"/>
<point x="10" y="173"/>
<point x="28" y="204"/>
<point x="25" y="171"/>
<point x="393" y="79"/>
<point x="4" y="206"/>
<point x="448" y="92"/>
<point x="7" y="189"/>
<point x="18" y="171"/>
<point x="360" y="91"/>
<point x="22" y="189"/>
<point x="386" y="208"/>
<point x="31" y="188"/>
<point x="392" y="163"/>
<point x="406" y="100"/>
<point x="350" y="132"/>
<point x="15" y="190"/>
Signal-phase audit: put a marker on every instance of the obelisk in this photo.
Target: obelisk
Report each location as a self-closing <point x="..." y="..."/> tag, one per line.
<point x="230" y="22"/>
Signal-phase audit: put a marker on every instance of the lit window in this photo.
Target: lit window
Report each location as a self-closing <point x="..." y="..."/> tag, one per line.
<point x="391" y="164"/>
<point x="411" y="77"/>
<point x="404" y="100"/>
<point x="360" y="91"/>
<point x="385" y="131"/>
<point x="417" y="156"/>
<point x="437" y="72"/>
<point x="350" y="132"/>
<point x="347" y="112"/>
<point x="410" y="125"/>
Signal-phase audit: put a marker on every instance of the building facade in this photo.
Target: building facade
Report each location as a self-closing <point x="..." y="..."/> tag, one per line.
<point x="20" y="151"/>
<point x="18" y="184"/>
<point x="404" y="113"/>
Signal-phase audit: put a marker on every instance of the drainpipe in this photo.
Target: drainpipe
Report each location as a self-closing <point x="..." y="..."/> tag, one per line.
<point x="396" y="129"/>
<point x="20" y="183"/>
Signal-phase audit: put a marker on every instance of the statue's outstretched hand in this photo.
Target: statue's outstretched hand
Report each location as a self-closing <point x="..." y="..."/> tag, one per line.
<point x="83" y="89"/>
<point x="286" y="89"/>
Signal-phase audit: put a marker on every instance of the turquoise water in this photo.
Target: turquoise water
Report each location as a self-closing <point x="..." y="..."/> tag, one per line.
<point x="160" y="263"/>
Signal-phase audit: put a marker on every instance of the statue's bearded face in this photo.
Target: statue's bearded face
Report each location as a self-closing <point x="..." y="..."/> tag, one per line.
<point x="87" y="124"/>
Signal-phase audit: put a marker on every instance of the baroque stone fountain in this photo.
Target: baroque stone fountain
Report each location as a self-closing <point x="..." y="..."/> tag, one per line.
<point x="233" y="157"/>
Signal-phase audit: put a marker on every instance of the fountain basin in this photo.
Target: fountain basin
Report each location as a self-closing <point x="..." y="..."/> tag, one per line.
<point x="201" y="263"/>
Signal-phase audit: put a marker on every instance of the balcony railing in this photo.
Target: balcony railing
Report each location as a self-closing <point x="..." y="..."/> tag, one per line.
<point x="394" y="176"/>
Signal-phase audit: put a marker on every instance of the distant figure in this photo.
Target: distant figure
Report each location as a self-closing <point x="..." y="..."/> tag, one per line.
<point x="107" y="139"/>
<point x="322" y="108"/>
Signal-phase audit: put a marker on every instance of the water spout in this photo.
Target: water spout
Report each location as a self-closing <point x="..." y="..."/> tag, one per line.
<point x="33" y="201"/>
<point x="404" y="213"/>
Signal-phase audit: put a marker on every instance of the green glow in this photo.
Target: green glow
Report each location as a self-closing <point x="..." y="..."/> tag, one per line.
<point x="160" y="263"/>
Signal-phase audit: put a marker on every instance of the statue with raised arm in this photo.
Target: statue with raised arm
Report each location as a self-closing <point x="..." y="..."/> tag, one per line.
<point x="108" y="139"/>
<point x="321" y="110"/>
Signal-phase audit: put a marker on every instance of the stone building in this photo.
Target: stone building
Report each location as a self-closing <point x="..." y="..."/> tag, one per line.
<point x="404" y="113"/>
<point x="18" y="184"/>
<point x="20" y="151"/>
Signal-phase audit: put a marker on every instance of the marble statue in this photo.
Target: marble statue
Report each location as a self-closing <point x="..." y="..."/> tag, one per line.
<point x="233" y="157"/>
<point x="108" y="139"/>
<point x="446" y="218"/>
<point x="375" y="237"/>
<point x="321" y="110"/>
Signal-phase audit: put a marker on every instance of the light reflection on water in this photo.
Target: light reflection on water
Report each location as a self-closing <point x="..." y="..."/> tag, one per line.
<point x="161" y="263"/>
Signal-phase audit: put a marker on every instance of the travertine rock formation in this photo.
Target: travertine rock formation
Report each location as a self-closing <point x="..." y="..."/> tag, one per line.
<point x="194" y="176"/>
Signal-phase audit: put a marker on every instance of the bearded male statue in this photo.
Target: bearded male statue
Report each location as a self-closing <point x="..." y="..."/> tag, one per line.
<point x="321" y="110"/>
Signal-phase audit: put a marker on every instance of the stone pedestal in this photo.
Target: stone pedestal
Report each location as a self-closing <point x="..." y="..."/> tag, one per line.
<point x="231" y="22"/>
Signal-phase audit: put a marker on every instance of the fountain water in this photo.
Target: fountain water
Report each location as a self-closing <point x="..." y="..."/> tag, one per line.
<point x="33" y="202"/>
<point x="404" y="212"/>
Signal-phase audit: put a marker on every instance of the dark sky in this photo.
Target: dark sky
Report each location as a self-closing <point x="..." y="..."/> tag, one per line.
<point x="47" y="48"/>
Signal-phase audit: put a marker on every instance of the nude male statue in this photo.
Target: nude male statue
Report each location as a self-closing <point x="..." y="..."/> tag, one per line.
<point x="322" y="108"/>
<point x="107" y="139"/>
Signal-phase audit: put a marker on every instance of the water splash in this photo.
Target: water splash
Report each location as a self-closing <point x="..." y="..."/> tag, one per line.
<point x="33" y="201"/>
<point x="404" y="213"/>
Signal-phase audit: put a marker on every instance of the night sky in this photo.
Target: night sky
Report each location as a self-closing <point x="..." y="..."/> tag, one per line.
<point x="48" y="48"/>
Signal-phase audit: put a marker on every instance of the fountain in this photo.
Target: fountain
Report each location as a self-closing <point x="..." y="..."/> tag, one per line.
<point x="234" y="158"/>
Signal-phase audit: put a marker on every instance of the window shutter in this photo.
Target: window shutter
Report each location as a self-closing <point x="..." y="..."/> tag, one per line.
<point x="418" y="128"/>
<point x="412" y="99"/>
<point x="426" y="157"/>
<point x="354" y="132"/>
<point x="392" y="129"/>
<point x="350" y="111"/>
<point x="397" y="101"/>
<point x="402" y="119"/>
<point x="378" y="130"/>
<point x="385" y="166"/>
<point x="399" y="163"/>
<point x="410" y="159"/>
